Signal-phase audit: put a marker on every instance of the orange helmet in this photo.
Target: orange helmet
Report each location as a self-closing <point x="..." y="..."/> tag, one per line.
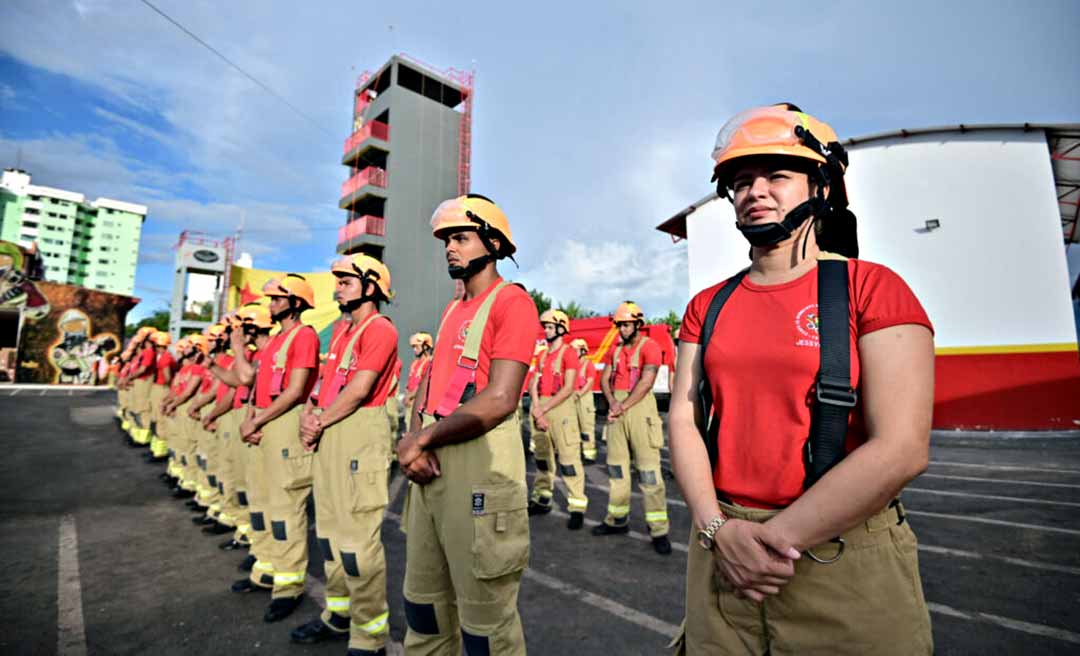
<point x="366" y="267"/>
<point x="199" y="342"/>
<point x="215" y="331"/>
<point x="256" y="315"/>
<point x="161" y="338"/>
<point x="230" y="320"/>
<point x="557" y="317"/>
<point x="771" y="130"/>
<point x="143" y="333"/>
<point x="293" y="284"/>
<point x="474" y="212"/>
<point x="579" y="344"/>
<point x="628" y="311"/>
<point x="182" y="345"/>
<point x="422" y="340"/>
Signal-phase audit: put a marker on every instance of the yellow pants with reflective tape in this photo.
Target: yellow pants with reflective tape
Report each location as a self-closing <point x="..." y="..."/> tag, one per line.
<point x="351" y="470"/>
<point x="140" y="410"/>
<point x="287" y="467"/>
<point x="559" y="448"/>
<point x="158" y="445"/>
<point x="870" y="601"/>
<point x="637" y="431"/>
<point x="229" y="469"/>
<point x="258" y="494"/>
<point x="586" y="413"/>
<point x="467" y="543"/>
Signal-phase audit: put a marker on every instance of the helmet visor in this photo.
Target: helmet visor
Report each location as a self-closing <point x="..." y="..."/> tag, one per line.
<point x="760" y="126"/>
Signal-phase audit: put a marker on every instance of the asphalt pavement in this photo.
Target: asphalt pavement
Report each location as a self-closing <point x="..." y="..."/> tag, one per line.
<point x="98" y="559"/>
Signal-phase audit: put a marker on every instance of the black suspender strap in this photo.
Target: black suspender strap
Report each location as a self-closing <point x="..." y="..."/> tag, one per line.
<point x="704" y="390"/>
<point x="835" y="396"/>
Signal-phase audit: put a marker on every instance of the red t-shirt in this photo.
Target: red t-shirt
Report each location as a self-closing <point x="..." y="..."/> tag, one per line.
<point x="224" y="361"/>
<point x="241" y="396"/>
<point x="375" y="350"/>
<point x="586" y="374"/>
<point x="303" y="354"/>
<point x="180" y="379"/>
<point x="761" y="363"/>
<point x="417" y="370"/>
<point x="547" y="385"/>
<point x="201" y="377"/>
<point x="510" y="335"/>
<point x="395" y="379"/>
<point x="650" y="355"/>
<point x="146" y="359"/>
<point x="165" y="362"/>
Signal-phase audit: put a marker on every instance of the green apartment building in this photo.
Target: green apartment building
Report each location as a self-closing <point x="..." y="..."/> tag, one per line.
<point x="91" y="244"/>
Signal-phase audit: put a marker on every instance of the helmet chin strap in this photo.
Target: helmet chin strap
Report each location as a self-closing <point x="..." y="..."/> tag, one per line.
<point x="475" y="266"/>
<point x="771" y="234"/>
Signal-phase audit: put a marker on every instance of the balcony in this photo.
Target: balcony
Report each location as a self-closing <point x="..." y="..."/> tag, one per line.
<point x="362" y="183"/>
<point x="360" y="230"/>
<point x="365" y="137"/>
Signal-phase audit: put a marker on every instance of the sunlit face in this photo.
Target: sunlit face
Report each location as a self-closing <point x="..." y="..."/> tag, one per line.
<point x="347" y="288"/>
<point x="464" y="246"/>
<point x="764" y="190"/>
<point x="278" y="304"/>
<point x="626" y="329"/>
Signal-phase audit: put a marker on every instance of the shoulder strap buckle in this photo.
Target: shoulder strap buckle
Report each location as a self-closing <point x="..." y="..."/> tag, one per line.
<point x="836" y="391"/>
<point x="468" y="363"/>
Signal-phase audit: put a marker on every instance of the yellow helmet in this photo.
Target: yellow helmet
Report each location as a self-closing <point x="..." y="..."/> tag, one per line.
<point x="579" y="344"/>
<point x="161" y="338"/>
<point x="293" y="284"/>
<point x="199" y="342"/>
<point x="474" y="212"/>
<point x="215" y="331"/>
<point x="421" y="339"/>
<point x="628" y="311"/>
<point x="182" y="345"/>
<point x="365" y="267"/>
<point x="256" y="315"/>
<point x="557" y="317"/>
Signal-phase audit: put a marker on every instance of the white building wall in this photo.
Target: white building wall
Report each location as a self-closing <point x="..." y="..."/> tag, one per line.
<point x="994" y="274"/>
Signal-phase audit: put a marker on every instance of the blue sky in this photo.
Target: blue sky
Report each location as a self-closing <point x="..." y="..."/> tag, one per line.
<point x="593" y="121"/>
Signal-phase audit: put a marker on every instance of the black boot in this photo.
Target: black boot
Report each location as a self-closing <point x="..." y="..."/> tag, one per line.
<point x="577" y="520"/>
<point x="205" y="520"/>
<point x="181" y="493"/>
<point x="366" y="652"/>
<point x="317" y="631"/>
<point x="217" y="528"/>
<point x="281" y="608"/>
<point x="231" y="545"/>
<point x="662" y="545"/>
<point x="245" y="585"/>
<point x="536" y="508"/>
<point x="246" y="564"/>
<point x="606" y="529"/>
<point x="191" y="503"/>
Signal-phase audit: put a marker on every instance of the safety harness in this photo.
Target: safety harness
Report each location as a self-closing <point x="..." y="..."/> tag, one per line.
<point x="635" y="362"/>
<point x="341" y="371"/>
<point x="462" y="385"/>
<point x="834" y="395"/>
<point x="556" y="367"/>
<point x="281" y="358"/>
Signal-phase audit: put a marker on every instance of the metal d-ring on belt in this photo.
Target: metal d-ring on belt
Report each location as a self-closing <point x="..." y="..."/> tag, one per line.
<point x="900" y="517"/>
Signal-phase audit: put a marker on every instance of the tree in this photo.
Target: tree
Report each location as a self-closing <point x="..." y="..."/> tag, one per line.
<point x="577" y="311"/>
<point x="159" y="320"/>
<point x="542" y="302"/>
<point x="671" y="319"/>
<point x="200" y="312"/>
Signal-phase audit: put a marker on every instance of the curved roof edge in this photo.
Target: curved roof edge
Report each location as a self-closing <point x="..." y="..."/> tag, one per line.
<point x="964" y="128"/>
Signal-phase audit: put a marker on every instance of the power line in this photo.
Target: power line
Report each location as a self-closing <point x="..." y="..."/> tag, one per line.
<point x="249" y="76"/>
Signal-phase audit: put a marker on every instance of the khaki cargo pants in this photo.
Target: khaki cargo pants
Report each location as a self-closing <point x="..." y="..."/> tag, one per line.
<point x="586" y="413"/>
<point x="140" y="410"/>
<point x="638" y="430"/>
<point x="351" y="471"/>
<point x="561" y="445"/>
<point x="185" y="447"/>
<point x="467" y="544"/>
<point x="870" y="601"/>
<point x="255" y="498"/>
<point x="206" y="451"/>
<point x="158" y="445"/>
<point x="230" y="468"/>
<point x="287" y="469"/>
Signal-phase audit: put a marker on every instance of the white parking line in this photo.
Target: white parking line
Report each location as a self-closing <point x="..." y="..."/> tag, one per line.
<point x="631" y="615"/>
<point x="1020" y="562"/>
<point x="70" y="628"/>
<point x="1008" y="623"/>
<point x="1004" y="481"/>
<point x="42" y="392"/>
<point x="977" y="465"/>
<point x="993" y="497"/>
<point x="14" y="392"/>
<point x="995" y="522"/>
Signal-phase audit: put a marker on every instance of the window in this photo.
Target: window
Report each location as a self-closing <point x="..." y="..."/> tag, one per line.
<point x="103" y="248"/>
<point x="103" y="287"/>
<point x="31" y="210"/>
<point x="102" y="261"/>
<point x="46" y="240"/>
<point x="29" y="224"/>
<point x="35" y="198"/>
<point x="109" y="224"/>
<point x="54" y="215"/>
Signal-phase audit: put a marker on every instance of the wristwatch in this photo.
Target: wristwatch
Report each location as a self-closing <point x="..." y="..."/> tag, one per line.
<point x="706" y="535"/>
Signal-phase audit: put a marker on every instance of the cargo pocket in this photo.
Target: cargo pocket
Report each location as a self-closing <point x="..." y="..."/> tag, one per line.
<point x="368" y="472"/>
<point x="568" y="435"/>
<point x="656" y="432"/>
<point x="500" y="529"/>
<point x="297" y="467"/>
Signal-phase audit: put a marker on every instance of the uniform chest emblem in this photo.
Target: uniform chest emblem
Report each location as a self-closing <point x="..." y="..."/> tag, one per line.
<point x="807" y="325"/>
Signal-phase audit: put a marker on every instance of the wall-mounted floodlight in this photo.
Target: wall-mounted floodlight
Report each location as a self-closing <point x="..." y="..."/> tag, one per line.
<point x="932" y="224"/>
